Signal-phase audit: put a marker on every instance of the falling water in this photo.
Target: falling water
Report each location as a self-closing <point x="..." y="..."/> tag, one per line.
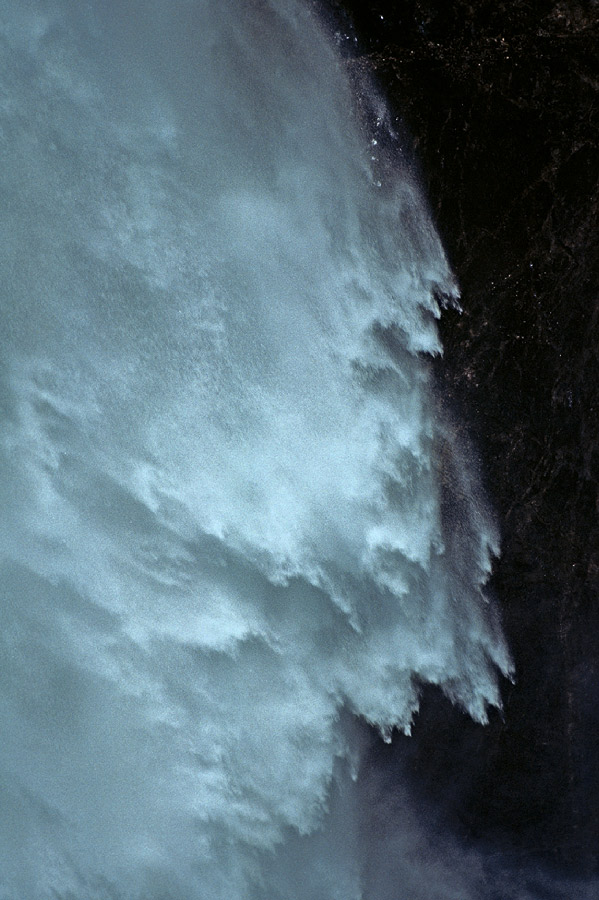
<point x="235" y="521"/>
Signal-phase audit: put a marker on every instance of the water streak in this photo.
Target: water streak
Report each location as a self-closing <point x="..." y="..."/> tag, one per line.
<point x="225" y="480"/>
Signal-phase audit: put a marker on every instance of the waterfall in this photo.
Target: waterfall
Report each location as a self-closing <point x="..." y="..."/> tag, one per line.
<point x="236" y="521"/>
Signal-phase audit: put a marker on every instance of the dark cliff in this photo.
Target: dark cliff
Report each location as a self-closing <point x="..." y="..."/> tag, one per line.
<point x="501" y="102"/>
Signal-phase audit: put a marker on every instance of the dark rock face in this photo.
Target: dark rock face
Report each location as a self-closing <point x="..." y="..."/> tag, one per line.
<point x="501" y="100"/>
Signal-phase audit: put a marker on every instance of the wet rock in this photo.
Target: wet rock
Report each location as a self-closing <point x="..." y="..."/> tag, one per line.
<point x="501" y="101"/>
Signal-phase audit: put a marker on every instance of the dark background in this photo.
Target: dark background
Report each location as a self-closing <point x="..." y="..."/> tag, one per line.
<point x="500" y="100"/>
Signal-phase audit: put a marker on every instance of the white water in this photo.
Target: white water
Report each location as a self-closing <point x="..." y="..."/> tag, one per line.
<point x="222" y="466"/>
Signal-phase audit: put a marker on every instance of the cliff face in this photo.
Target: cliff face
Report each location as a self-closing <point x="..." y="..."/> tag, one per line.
<point x="501" y="101"/>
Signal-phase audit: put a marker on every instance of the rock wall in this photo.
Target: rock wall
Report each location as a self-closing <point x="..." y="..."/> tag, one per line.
<point x="501" y="102"/>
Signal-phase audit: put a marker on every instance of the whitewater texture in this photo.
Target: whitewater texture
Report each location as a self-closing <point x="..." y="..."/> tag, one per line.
<point x="234" y="519"/>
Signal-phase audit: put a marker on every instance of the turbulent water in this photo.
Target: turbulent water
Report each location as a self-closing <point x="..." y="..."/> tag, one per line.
<point x="234" y="521"/>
